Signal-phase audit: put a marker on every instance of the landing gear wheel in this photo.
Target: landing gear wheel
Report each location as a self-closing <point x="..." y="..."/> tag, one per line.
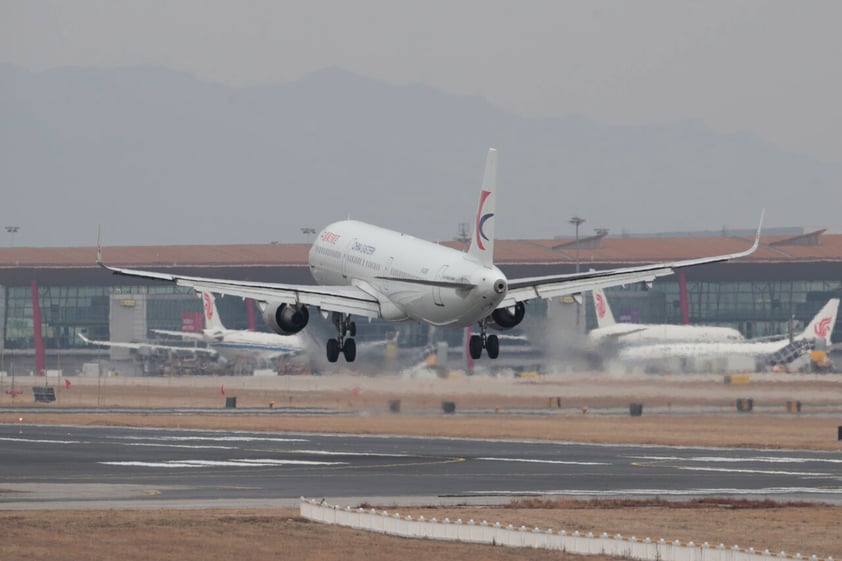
<point x="492" y="346"/>
<point x="349" y="349"/>
<point x="343" y="344"/>
<point x="475" y="347"/>
<point x="332" y="350"/>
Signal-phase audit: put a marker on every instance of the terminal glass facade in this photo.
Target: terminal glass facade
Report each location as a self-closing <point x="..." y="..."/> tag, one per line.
<point x="756" y="309"/>
<point x="67" y="312"/>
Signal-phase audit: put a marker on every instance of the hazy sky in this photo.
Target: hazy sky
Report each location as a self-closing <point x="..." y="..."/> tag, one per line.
<point x="767" y="67"/>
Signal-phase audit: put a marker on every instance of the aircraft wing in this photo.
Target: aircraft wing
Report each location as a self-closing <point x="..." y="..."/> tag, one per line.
<point x="553" y="286"/>
<point x="618" y="333"/>
<point x="344" y="299"/>
<point x="355" y="300"/>
<point x="148" y="346"/>
<point x="186" y="335"/>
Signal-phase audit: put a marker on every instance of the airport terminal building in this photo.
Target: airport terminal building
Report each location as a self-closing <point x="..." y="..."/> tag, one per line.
<point x="48" y="296"/>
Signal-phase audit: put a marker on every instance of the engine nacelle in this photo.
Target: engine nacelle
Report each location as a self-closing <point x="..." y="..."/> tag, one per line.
<point x="507" y="318"/>
<point x="286" y="319"/>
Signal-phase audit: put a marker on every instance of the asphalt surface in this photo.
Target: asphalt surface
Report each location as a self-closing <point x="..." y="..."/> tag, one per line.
<point x="49" y="466"/>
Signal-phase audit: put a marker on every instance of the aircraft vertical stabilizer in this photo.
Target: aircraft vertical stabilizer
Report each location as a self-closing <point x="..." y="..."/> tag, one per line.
<point x="821" y="327"/>
<point x="482" y="241"/>
<point x="213" y="323"/>
<point x="604" y="317"/>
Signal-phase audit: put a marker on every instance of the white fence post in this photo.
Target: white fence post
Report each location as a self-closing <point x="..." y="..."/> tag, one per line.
<point x="471" y="532"/>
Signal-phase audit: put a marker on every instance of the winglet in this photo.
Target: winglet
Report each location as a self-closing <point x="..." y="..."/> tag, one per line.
<point x="482" y="241"/>
<point x="759" y="229"/>
<point x="754" y="246"/>
<point x="99" y="246"/>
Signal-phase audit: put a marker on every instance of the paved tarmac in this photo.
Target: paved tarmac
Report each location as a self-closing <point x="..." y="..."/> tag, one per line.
<point x="50" y="466"/>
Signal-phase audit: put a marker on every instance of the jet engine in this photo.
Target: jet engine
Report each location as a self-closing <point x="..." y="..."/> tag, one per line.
<point x="286" y="319"/>
<point x="507" y="318"/>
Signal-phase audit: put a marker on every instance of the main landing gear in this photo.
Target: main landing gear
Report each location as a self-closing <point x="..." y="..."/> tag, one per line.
<point x="482" y="341"/>
<point x="344" y="342"/>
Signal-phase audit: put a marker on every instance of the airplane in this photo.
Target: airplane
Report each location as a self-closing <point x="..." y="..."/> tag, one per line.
<point x="230" y="344"/>
<point x="611" y="332"/>
<point x="365" y="270"/>
<point x="238" y="343"/>
<point x="817" y="333"/>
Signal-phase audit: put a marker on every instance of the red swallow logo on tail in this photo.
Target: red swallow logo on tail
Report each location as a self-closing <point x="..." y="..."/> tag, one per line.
<point x="481" y="220"/>
<point x="600" y="305"/>
<point x="208" y="305"/>
<point x="822" y="328"/>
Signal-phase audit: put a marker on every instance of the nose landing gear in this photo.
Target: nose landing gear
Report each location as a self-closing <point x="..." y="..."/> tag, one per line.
<point x="483" y="341"/>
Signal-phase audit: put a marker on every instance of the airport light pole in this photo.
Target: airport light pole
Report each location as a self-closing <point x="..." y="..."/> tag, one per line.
<point x="578" y="221"/>
<point x="464" y="235"/>
<point x="12" y="230"/>
<point x="308" y="231"/>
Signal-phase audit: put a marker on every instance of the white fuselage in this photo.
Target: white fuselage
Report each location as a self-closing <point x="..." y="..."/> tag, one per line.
<point x="641" y="334"/>
<point x="702" y="350"/>
<point x="232" y="343"/>
<point x="372" y="258"/>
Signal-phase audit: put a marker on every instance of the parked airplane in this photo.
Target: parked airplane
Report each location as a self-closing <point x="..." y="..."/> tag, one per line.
<point x="237" y="343"/>
<point x="230" y="344"/>
<point x="622" y="334"/>
<point x="817" y="333"/>
<point x="372" y="272"/>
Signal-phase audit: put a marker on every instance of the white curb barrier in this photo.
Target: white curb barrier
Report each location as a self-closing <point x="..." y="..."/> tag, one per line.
<point x="496" y="534"/>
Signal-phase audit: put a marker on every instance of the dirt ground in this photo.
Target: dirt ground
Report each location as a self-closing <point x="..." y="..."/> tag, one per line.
<point x="258" y="534"/>
<point x="681" y="411"/>
<point x="676" y="410"/>
<point x="245" y="535"/>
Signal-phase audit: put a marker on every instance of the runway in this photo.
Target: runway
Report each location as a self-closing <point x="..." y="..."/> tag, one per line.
<point x="49" y="466"/>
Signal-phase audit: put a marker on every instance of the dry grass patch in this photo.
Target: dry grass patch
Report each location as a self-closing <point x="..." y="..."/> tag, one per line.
<point x="248" y="535"/>
<point x="792" y="527"/>
<point x="251" y="535"/>
<point x="211" y="535"/>
<point x="703" y="502"/>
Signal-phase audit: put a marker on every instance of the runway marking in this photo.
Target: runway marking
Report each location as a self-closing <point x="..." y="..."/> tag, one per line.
<point x="220" y="463"/>
<point x="337" y="453"/>
<point x="657" y="460"/>
<point x="430" y="462"/>
<point x="725" y="459"/>
<point x="182" y="446"/>
<point x="40" y="441"/>
<point x="532" y="461"/>
<point x="757" y="471"/>
<point x="212" y="438"/>
<point x="291" y="462"/>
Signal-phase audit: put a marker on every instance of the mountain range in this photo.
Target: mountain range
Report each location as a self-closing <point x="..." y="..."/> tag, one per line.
<point x="159" y="157"/>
